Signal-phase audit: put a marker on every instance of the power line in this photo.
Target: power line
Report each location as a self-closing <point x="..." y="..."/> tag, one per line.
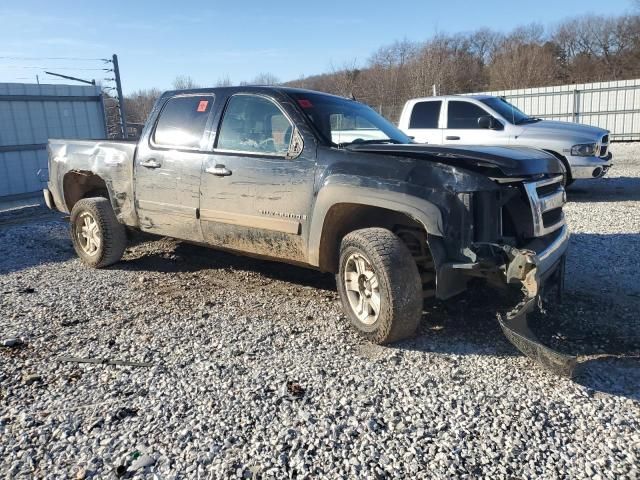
<point x="57" y="58"/>
<point x="56" y="68"/>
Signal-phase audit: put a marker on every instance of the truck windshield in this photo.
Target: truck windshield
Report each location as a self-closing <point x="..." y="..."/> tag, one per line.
<point x="509" y="112"/>
<point x="343" y="122"/>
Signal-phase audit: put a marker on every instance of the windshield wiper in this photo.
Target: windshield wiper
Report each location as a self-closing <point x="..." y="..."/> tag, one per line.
<point x="370" y="142"/>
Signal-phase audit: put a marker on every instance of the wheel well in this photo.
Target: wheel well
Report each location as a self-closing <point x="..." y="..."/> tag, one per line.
<point x="565" y="162"/>
<point x="344" y="218"/>
<point x="79" y="184"/>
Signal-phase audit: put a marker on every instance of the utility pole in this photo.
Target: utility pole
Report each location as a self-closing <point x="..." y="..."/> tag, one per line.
<point x="123" y="118"/>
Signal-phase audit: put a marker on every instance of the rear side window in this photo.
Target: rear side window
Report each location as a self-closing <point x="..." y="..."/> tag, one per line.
<point x="464" y="115"/>
<point x="425" y="115"/>
<point x="182" y="122"/>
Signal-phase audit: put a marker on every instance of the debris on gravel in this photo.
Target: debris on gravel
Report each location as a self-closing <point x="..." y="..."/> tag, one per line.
<point x="255" y="372"/>
<point x="12" y="343"/>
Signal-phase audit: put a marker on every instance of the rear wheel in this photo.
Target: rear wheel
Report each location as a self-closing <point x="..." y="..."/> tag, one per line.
<point x="98" y="238"/>
<point x="379" y="285"/>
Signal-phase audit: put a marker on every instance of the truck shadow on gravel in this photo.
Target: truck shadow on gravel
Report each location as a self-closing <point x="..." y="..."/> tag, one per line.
<point x="174" y="256"/>
<point x="615" y="189"/>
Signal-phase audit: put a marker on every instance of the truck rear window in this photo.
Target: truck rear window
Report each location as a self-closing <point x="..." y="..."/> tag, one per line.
<point x="182" y="122"/>
<point x="425" y="114"/>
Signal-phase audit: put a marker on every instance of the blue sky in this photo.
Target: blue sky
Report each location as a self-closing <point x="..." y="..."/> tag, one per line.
<point x="156" y="41"/>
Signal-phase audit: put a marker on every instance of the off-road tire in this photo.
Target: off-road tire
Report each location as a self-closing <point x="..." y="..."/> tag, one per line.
<point x="112" y="234"/>
<point x="400" y="286"/>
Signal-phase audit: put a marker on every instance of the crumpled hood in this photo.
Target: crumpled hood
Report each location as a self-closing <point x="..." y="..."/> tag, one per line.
<point x="494" y="161"/>
<point x="575" y="132"/>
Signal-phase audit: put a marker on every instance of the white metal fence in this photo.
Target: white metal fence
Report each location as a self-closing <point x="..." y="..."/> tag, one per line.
<point x="30" y="115"/>
<point x="614" y="106"/>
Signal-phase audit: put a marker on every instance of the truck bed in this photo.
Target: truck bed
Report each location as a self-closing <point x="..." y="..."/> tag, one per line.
<point x="111" y="160"/>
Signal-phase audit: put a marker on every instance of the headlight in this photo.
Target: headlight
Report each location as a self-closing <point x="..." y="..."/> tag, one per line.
<point x="584" y="150"/>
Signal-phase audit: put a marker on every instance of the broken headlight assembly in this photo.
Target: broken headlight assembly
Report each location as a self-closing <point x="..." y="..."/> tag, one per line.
<point x="584" y="150"/>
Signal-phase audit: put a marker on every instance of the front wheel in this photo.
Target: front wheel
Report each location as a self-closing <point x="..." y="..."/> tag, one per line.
<point x="98" y="238"/>
<point x="379" y="285"/>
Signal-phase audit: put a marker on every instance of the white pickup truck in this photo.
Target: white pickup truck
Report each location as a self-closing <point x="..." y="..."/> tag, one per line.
<point x="487" y="120"/>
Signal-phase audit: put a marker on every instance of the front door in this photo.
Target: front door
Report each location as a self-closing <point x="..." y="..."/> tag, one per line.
<point x="254" y="197"/>
<point x="168" y="168"/>
<point x="462" y="125"/>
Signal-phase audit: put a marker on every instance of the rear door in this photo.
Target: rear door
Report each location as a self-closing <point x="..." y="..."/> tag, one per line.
<point x="168" y="167"/>
<point x="254" y="198"/>
<point x="462" y="125"/>
<point x="424" y="123"/>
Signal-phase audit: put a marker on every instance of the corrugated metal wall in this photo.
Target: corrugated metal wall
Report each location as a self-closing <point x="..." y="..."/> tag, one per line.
<point x="611" y="105"/>
<point x="30" y="115"/>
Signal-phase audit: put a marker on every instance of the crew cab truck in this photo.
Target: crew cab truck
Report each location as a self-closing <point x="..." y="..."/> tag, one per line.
<point x="265" y="171"/>
<point x="487" y="120"/>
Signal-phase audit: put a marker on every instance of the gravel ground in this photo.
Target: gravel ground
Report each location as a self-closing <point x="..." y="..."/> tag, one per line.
<point x="254" y="373"/>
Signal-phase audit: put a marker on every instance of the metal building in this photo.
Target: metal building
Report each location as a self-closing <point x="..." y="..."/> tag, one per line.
<point x="614" y="106"/>
<point x="30" y="114"/>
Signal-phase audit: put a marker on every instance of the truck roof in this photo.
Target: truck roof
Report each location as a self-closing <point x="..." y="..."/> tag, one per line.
<point x="248" y="88"/>
<point x="449" y="97"/>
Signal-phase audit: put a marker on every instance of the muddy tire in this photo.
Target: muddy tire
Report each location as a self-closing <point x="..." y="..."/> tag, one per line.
<point x="97" y="236"/>
<point x="379" y="285"/>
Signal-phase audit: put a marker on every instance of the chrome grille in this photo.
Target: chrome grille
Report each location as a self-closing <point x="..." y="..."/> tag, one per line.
<point x="604" y="146"/>
<point x="546" y="198"/>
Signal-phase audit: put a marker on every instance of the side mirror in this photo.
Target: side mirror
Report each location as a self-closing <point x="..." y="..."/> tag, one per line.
<point x="485" y="122"/>
<point x="489" y="123"/>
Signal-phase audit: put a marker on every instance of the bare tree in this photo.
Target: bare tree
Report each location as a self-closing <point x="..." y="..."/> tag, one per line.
<point x="266" y="79"/>
<point x="139" y="104"/>
<point x="184" y="82"/>
<point x="224" y="81"/>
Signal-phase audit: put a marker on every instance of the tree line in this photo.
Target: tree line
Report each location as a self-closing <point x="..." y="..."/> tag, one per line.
<point x="584" y="49"/>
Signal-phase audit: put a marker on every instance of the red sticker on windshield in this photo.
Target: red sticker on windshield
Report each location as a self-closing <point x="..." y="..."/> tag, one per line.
<point x="202" y="106"/>
<point x="304" y="103"/>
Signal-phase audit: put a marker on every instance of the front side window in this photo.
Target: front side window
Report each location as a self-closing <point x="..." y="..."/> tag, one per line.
<point x="254" y="124"/>
<point x="464" y="115"/>
<point x="182" y="122"/>
<point x="425" y="114"/>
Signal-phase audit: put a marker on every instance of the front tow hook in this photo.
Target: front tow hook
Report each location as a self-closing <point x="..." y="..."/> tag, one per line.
<point x="522" y="267"/>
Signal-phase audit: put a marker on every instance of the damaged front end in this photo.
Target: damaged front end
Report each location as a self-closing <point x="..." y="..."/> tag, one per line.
<point x="519" y="240"/>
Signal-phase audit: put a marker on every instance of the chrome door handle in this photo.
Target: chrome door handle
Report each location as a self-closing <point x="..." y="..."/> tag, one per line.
<point x="452" y="137"/>
<point x="219" y="171"/>
<point x="151" y="163"/>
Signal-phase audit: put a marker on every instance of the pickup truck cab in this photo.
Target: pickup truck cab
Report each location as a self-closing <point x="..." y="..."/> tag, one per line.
<point x="486" y="120"/>
<point x="267" y="172"/>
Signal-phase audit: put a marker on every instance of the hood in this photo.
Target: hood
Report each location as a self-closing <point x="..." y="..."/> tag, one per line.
<point x="575" y="132"/>
<point x="492" y="161"/>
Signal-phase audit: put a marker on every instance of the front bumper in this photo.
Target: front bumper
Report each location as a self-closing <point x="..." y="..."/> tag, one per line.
<point x="537" y="266"/>
<point x="590" y="167"/>
<point x="548" y="258"/>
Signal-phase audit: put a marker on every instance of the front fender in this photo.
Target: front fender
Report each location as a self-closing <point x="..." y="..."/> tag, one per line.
<point x="341" y="188"/>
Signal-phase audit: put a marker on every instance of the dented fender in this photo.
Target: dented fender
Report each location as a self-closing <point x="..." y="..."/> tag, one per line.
<point x="112" y="161"/>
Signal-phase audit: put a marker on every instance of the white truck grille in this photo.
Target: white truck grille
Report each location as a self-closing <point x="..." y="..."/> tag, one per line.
<point x="546" y="198"/>
<point x="604" y="146"/>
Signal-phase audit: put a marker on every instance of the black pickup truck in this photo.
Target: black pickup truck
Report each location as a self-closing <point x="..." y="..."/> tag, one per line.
<point x="324" y="182"/>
